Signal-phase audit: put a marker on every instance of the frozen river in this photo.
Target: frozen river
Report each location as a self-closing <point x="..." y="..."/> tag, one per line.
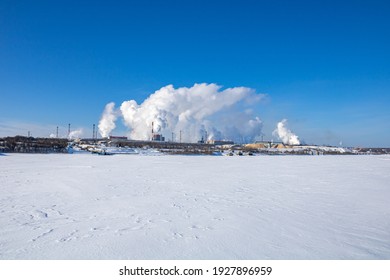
<point x="84" y="206"/>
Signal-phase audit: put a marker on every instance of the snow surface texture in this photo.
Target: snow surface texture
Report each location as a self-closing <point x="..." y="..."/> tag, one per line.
<point x="194" y="207"/>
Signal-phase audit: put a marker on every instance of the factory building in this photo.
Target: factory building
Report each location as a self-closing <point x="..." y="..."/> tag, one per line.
<point x="158" y="137"/>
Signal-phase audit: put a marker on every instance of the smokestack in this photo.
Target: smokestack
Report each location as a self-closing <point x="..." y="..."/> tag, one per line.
<point x="68" y="130"/>
<point x="152" y="131"/>
<point x="93" y="131"/>
<point x="57" y="132"/>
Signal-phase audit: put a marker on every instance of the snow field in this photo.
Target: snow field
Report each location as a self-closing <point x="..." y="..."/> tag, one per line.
<point x="84" y="206"/>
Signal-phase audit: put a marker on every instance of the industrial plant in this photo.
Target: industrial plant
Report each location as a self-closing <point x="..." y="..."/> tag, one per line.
<point x="159" y="145"/>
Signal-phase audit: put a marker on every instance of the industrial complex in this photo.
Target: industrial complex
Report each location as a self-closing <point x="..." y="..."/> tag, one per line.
<point x="158" y="144"/>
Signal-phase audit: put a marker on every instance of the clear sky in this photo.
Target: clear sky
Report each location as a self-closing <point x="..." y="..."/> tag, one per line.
<point x="324" y="65"/>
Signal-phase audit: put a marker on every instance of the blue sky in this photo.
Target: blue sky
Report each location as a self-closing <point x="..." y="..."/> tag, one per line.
<point x="325" y="65"/>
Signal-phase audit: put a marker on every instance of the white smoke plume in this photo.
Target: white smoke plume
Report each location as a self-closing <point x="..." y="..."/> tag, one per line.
<point x="107" y="121"/>
<point x="203" y="108"/>
<point x="285" y="134"/>
<point x="75" y="134"/>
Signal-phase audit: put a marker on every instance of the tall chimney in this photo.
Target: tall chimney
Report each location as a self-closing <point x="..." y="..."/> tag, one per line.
<point x="152" y="131"/>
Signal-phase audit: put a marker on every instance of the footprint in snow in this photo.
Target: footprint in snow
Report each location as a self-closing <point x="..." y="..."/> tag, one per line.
<point x="42" y="235"/>
<point x="38" y="215"/>
<point x="69" y="237"/>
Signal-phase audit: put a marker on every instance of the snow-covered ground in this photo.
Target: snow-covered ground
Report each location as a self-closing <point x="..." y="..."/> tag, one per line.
<point x="84" y="206"/>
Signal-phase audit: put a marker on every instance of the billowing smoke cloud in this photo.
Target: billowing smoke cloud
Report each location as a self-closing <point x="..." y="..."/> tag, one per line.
<point x="75" y="134"/>
<point x="107" y="121"/>
<point x="285" y="134"/>
<point x="196" y="111"/>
